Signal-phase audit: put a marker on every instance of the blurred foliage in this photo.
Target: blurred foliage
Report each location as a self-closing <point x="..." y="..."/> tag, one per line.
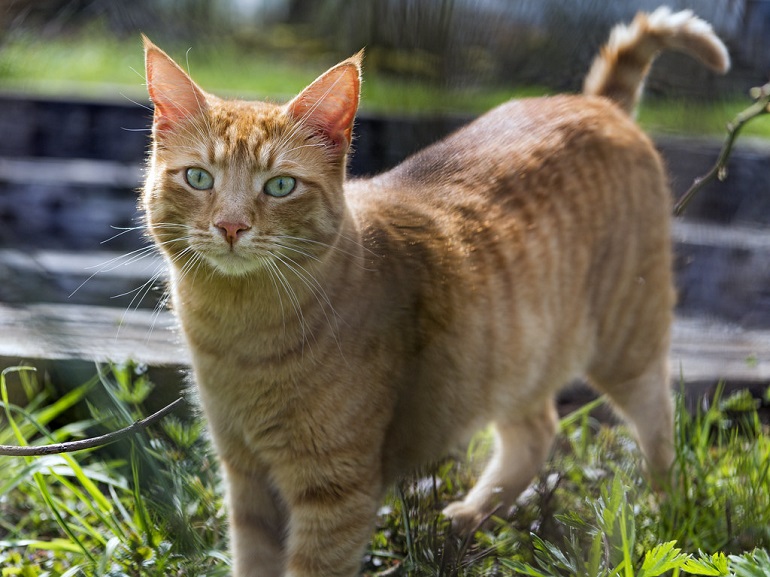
<point x="184" y="19"/>
<point x="449" y="42"/>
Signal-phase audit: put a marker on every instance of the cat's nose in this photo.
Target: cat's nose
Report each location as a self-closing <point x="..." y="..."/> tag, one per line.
<point x="231" y="230"/>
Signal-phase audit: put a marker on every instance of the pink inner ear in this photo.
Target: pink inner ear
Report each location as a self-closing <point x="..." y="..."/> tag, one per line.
<point x="175" y="96"/>
<point x="329" y="104"/>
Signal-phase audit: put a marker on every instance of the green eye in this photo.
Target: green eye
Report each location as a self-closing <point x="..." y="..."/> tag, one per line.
<point x="280" y="186"/>
<point x="199" y="179"/>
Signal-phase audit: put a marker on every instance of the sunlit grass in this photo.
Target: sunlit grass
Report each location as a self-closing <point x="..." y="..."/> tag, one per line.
<point x="99" y="66"/>
<point x="153" y="506"/>
<point x="712" y="118"/>
<point x="93" y="64"/>
<point x="147" y="507"/>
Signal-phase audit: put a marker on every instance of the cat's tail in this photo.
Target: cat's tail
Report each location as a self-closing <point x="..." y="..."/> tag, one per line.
<point x="620" y="69"/>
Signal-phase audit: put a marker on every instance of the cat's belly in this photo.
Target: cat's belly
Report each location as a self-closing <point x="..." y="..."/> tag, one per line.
<point x="479" y="370"/>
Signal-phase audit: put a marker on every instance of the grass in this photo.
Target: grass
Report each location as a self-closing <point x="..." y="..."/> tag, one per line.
<point x="94" y="64"/>
<point x="153" y="506"/>
<point x="150" y="506"/>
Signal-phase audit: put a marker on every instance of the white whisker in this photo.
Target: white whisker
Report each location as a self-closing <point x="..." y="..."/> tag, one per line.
<point x="296" y="305"/>
<point x="270" y="266"/>
<point x="317" y="290"/>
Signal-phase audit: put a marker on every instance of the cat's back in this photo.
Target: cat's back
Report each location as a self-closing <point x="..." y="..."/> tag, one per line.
<point x="526" y="156"/>
<point x="524" y="136"/>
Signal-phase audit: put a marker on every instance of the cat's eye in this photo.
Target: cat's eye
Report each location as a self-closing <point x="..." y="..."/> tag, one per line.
<point x="280" y="186"/>
<point x="199" y="179"/>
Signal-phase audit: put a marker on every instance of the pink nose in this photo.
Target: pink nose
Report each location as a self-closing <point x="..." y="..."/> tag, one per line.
<point x="231" y="230"/>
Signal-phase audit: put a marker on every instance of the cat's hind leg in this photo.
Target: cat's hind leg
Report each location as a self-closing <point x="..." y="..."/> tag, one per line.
<point x="521" y="447"/>
<point x="646" y="403"/>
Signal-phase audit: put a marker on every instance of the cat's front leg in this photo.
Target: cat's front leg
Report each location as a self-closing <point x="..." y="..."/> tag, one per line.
<point x="257" y="524"/>
<point x="329" y="528"/>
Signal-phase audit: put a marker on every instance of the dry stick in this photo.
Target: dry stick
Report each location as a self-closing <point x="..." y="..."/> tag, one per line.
<point x="72" y="446"/>
<point x="761" y="106"/>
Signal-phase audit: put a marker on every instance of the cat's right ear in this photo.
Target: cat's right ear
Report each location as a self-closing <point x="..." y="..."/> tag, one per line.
<point x="175" y="96"/>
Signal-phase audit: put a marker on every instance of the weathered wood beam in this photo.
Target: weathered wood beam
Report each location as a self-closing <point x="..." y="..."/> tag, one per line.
<point x="701" y="350"/>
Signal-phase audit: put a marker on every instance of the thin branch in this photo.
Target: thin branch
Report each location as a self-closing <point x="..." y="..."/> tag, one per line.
<point x="761" y="106"/>
<point x="100" y="441"/>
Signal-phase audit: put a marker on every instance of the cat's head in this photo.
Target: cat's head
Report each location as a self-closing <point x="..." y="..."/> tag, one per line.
<point x="235" y="185"/>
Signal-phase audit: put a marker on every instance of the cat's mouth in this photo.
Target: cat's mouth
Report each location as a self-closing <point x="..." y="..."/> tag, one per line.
<point x="249" y="256"/>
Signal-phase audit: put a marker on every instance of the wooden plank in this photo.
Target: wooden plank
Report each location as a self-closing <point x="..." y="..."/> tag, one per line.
<point x="98" y="334"/>
<point x="73" y="171"/>
<point x="708" y="351"/>
<point x="701" y="351"/>
<point x="722" y="273"/>
<point x="121" y="280"/>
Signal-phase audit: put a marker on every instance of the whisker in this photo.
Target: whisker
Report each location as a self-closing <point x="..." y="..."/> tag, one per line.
<point x="123" y="259"/>
<point x="139" y="104"/>
<point x="160" y="306"/>
<point x="317" y="291"/>
<point x="141" y="292"/>
<point x="298" y="251"/>
<point x="296" y="305"/>
<point x="123" y="230"/>
<point x="269" y="265"/>
<point x="114" y="263"/>
<point x="352" y="255"/>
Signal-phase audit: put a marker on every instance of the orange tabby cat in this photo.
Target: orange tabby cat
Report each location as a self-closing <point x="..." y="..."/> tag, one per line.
<point x="344" y="333"/>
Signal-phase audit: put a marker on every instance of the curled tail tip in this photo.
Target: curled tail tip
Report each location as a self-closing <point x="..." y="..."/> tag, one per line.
<point x="685" y="32"/>
<point x="621" y="68"/>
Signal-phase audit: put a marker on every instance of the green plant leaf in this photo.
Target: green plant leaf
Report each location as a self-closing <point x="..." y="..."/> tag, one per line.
<point x="662" y="558"/>
<point x="754" y="564"/>
<point x="524" y="569"/>
<point x="715" y="565"/>
<point x="51" y="545"/>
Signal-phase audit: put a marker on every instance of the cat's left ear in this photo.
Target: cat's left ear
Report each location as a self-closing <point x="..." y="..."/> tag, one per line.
<point x="330" y="103"/>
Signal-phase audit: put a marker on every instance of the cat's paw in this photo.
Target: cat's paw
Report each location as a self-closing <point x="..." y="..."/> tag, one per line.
<point x="465" y="518"/>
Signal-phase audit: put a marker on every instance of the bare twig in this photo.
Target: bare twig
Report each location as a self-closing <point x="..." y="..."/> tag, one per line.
<point x="761" y="106"/>
<point x="100" y="441"/>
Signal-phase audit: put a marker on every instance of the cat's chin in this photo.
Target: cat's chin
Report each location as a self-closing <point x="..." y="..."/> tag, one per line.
<point x="233" y="265"/>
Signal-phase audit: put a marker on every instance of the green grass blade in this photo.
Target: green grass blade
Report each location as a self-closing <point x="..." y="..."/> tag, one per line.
<point x="54" y="507"/>
<point x="523" y="569"/>
<point x="576" y="416"/>
<point x="76" y="571"/>
<point x="142" y="516"/>
<point x="105" y="517"/>
<point x="93" y="491"/>
<point x="20" y="438"/>
<point x="64" y="403"/>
